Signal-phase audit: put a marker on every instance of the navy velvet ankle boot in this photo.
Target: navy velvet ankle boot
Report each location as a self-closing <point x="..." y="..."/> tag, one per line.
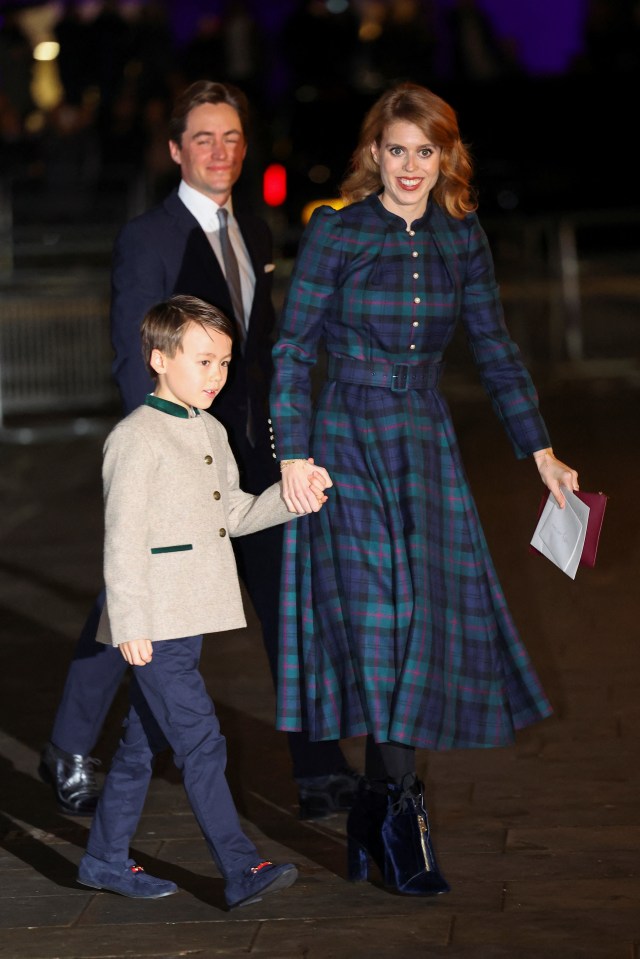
<point x="409" y="860"/>
<point x="389" y="824"/>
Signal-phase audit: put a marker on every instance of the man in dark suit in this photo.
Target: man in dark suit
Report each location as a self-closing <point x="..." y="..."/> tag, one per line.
<point x="194" y="243"/>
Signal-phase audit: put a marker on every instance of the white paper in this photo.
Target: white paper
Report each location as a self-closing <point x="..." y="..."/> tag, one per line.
<point x="560" y="533"/>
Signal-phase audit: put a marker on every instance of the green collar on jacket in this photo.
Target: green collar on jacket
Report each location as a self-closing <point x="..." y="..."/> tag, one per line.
<point x="166" y="406"/>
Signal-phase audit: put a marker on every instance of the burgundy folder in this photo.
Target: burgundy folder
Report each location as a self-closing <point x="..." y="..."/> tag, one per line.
<point x="597" y="503"/>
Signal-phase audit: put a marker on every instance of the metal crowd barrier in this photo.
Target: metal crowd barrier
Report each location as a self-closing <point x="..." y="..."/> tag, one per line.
<point x="55" y="354"/>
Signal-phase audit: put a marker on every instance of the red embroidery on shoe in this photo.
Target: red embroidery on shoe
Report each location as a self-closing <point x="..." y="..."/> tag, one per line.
<point x="261" y="865"/>
<point x="136" y="868"/>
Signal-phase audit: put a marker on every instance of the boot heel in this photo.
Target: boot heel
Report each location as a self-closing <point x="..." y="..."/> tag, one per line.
<point x="357" y="861"/>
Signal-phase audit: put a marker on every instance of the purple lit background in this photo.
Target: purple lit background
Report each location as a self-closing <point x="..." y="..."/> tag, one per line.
<point x="547" y="33"/>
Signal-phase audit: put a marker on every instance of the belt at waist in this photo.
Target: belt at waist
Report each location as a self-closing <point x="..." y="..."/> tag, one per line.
<point x="398" y="377"/>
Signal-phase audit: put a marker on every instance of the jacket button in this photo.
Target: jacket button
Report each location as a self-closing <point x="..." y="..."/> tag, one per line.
<point x="208" y="460"/>
<point x="223" y="532"/>
<point x="216" y="494"/>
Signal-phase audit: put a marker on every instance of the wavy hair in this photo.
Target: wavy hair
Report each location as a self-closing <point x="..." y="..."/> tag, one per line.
<point x="412" y="103"/>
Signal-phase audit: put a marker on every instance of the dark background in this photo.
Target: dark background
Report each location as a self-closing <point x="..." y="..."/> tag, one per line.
<point x="545" y="91"/>
<point x="545" y="94"/>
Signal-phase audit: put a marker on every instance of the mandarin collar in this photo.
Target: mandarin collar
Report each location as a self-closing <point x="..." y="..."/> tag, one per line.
<point x="167" y="406"/>
<point x="392" y="219"/>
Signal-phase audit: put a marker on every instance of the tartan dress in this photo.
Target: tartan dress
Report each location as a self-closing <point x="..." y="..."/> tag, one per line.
<point x="393" y="621"/>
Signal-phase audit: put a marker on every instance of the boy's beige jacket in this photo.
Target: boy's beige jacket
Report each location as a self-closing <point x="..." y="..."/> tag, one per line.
<point x="172" y="501"/>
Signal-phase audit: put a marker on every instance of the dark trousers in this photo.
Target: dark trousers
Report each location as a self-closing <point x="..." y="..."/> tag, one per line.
<point x="170" y="707"/>
<point x="96" y="671"/>
<point x="93" y="678"/>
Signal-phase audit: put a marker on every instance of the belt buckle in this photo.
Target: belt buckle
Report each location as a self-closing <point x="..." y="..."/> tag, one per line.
<point x="399" y="377"/>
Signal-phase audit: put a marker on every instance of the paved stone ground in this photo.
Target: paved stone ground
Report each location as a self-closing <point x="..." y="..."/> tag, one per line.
<point x="540" y="841"/>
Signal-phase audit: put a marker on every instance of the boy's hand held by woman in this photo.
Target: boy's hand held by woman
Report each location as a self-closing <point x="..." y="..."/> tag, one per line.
<point x="303" y="485"/>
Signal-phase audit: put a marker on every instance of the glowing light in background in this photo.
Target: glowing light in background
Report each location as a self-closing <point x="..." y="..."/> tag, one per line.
<point x="274" y="185"/>
<point x="46" y="50"/>
<point x="308" y="209"/>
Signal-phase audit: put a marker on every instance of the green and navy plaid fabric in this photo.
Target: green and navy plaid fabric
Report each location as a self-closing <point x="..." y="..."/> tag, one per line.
<point x="393" y="619"/>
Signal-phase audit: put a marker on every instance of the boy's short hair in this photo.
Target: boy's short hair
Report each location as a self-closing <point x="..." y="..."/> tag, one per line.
<point x="165" y="325"/>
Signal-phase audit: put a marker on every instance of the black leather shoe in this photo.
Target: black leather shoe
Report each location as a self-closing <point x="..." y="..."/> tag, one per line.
<point x="72" y="778"/>
<point x="322" y="796"/>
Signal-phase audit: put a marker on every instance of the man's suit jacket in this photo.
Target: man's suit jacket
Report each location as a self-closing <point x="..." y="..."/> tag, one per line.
<point x="164" y="252"/>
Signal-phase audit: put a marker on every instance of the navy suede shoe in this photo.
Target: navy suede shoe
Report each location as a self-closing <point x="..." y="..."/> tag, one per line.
<point x="125" y="878"/>
<point x="257" y="881"/>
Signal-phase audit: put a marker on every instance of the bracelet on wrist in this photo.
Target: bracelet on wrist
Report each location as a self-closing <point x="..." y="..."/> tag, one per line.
<point x="285" y="463"/>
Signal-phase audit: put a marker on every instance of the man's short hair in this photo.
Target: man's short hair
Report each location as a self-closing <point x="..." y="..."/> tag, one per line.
<point x="165" y="325"/>
<point x="207" y="91"/>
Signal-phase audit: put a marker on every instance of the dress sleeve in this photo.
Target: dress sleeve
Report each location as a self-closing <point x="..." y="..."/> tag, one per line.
<point x="313" y="285"/>
<point x="497" y="357"/>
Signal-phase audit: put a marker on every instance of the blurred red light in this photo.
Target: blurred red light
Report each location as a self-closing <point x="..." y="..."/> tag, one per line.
<point x="274" y="185"/>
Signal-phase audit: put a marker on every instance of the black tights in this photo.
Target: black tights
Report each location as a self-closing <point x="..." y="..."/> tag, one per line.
<point x="388" y="762"/>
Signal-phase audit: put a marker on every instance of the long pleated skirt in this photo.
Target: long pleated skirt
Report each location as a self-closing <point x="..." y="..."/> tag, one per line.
<point x="393" y="620"/>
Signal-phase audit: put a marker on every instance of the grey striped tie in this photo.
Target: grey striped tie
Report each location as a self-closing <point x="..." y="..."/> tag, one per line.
<point x="232" y="273"/>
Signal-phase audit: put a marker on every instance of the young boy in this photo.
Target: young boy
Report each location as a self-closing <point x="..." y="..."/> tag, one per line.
<point x="172" y="501"/>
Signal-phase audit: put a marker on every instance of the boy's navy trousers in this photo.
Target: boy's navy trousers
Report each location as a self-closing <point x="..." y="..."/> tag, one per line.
<point x="170" y="707"/>
<point x="96" y="671"/>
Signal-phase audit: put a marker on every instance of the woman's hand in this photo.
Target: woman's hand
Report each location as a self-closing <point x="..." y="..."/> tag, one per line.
<point x="137" y="652"/>
<point x="555" y="474"/>
<point x="303" y="485"/>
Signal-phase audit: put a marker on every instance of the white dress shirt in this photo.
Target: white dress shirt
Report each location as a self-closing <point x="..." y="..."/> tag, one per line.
<point x="205" y="211"/>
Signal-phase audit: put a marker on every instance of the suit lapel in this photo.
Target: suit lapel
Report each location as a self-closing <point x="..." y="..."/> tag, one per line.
<point x="187" y="224"/>
<point x="197" y="246"/>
